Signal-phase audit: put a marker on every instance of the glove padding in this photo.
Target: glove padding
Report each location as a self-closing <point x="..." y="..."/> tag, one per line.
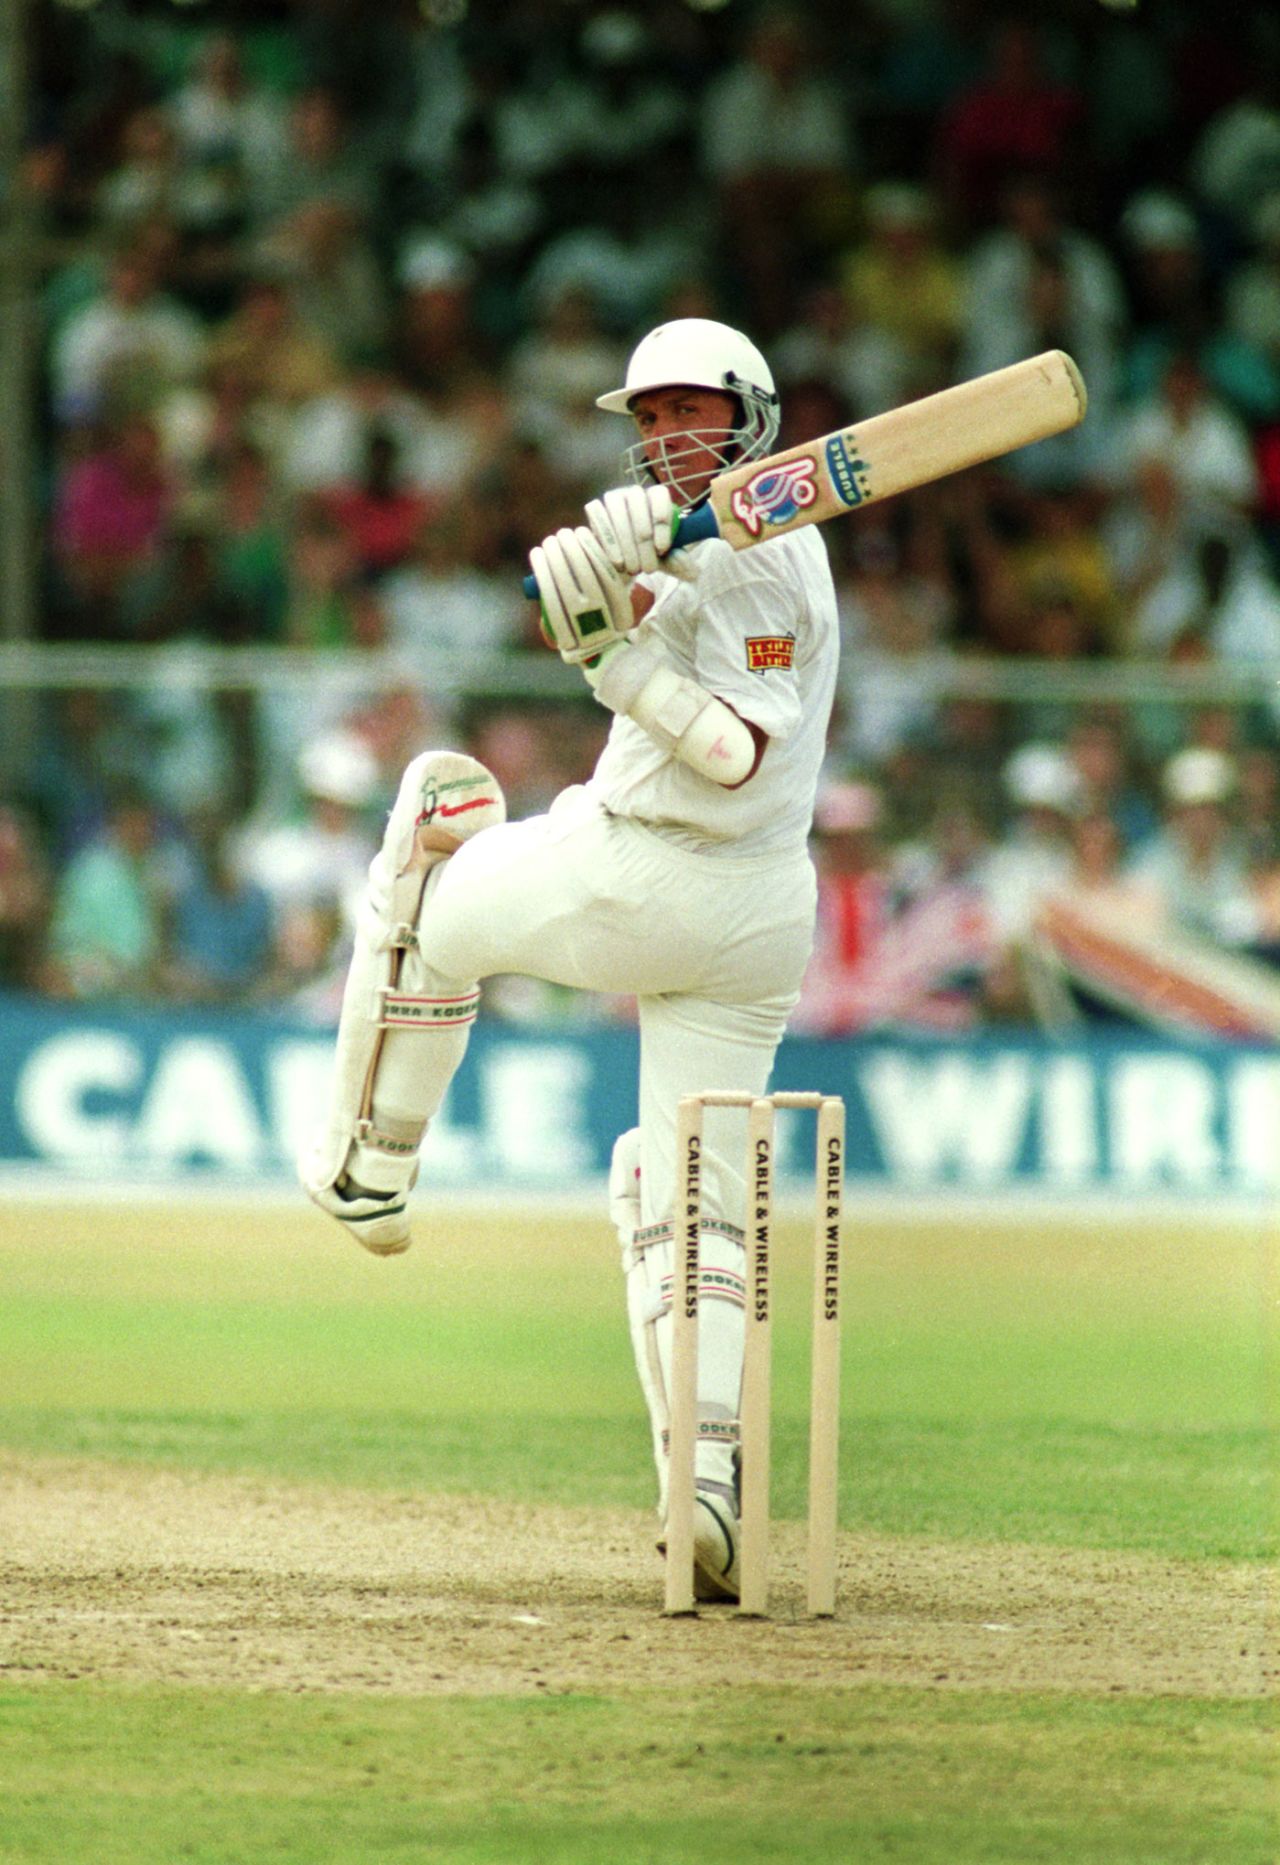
<point x="633" y="525"/>
<point x="586" y="605"/>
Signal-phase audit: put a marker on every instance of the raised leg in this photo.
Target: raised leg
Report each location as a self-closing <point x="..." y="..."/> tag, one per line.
<point x="404" y="1027"/>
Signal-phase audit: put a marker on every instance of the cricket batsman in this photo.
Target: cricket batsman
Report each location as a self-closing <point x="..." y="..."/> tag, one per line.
<point x="678" y="874"/>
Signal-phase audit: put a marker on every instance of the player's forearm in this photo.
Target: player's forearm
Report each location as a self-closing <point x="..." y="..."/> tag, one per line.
<point x="678" y="714"/>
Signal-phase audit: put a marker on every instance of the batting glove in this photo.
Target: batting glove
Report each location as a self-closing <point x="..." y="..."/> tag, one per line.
<point x="634" y="526"/>
<point x="586" y="605"/>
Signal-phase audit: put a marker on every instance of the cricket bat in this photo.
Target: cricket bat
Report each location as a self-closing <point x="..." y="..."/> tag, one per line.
<point x="906" y="447"/>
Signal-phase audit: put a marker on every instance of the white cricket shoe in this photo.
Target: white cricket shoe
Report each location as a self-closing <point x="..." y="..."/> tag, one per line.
<point x="715" y="1549"/>
<point x="379" y="1221"/>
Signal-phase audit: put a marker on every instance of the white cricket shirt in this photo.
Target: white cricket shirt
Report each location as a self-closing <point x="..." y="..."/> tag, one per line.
<point x="759" y="629"/>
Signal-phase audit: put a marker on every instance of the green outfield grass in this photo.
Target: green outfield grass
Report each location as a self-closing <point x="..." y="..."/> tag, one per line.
<point x="1087" y="1386"/>
<point x="888" y="1774"/>
<point x="1100" y="1386"/>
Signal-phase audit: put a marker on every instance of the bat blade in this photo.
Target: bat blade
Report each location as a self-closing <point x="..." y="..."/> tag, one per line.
<point x="894" y="452"/>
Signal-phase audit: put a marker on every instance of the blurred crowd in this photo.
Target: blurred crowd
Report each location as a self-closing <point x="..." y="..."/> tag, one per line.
<point x="326" y="294"/>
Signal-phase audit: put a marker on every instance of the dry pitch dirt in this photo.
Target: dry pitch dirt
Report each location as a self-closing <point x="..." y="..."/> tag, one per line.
<point x="126" y="1574"/>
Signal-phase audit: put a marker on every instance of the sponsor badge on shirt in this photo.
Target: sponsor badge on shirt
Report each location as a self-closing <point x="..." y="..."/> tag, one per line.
<point x="766" y="651"/>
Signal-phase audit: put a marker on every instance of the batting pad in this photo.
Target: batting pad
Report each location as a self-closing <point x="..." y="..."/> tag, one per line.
<point x="648" y="1263"/>
<point x="388" y="1082"/>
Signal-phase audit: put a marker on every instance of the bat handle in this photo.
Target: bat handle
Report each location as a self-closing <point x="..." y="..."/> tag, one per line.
<point x="691" y="528"/>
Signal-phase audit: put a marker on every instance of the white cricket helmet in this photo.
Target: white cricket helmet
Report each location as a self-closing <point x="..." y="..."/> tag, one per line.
<point x="698" y="352"/>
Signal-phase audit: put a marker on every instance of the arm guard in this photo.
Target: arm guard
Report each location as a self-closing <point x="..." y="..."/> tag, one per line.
<point x="678" y="714"/>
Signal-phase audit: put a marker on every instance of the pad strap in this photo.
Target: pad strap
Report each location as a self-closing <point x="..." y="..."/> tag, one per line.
<point x="400" y="1138"/>
<point x="645" y="1238"/>
<point x="396" y="1010"/>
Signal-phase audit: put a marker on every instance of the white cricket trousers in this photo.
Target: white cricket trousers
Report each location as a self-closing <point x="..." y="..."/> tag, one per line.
<point x="713" y="949"/>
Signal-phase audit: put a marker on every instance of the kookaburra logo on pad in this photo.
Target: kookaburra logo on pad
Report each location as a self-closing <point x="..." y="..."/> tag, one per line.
<point x="766" y="651"/>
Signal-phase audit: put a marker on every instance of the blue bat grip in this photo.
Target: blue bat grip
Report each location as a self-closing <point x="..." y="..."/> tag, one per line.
<point x="691" y="528"/>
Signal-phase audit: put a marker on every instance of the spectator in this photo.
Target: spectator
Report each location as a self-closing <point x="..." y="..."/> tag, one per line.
<point x="395" y="724"/>
<point x="853" y="910"/>
<point x="630" y="261"/>
<point x="966" y="740"/>
<point x="232" y="132"/>
<point x="197" y="741"/>
<point x="1216" y="727"/>
<point x="497" y="218"/>
<point x="378" y="515"/>
<point x="221" y="939"/>
<point x="1098" y="875"/>
<point x="1196" y="862"/>
<point x="942" y="946"/>
<point x="775" y="143"/>
<point x="24" y="899"/>
<point x="525" y="752"/>
<point x="1258" y="819"/>
<point x="448" y="93"/>
<point x="894" y="623"/>
<point x="1159" y="240"/>
<point x="151" y="180"/>
<point x="901" y="282"/>
<point x="267" y="349"/>
<point x="320" y="857"/>
<point x="865" y="368"/>
<point x="1237" y="159"/>
<point x="629" y="111"/>
<point x="307" y="968"/>
<point x="115" y="84"/>
<point x="130" y="344"/>
<point x="106" y="937"/>
<point x="326" y="605"/>
<point x="1000" y="310"/>
<point x="1102" y="760"/>
<point x="1258" y="803"/>
<point x="1046" y="585"/>
<point x="1216" y="602"/>
<point x="1185" y="441"/>
<point x="110" y="517"/>
<point x="321" y="164"/>
<point x="1176" y="313"/>
<point x="554" y="371"/>
<point x="1038" y="283"/>
<point x="438" y="350"/>
<point x="900" y="943"/>
<point x="85" y="750"/>
<point x="1034" y="855"/>
<point x="443" y="605"/>
<point x="1252" y="306"/>
<point x="1264" y="894"/>
<point x="181" y="593"/>
<point x="331" y="268"/>
<point x="1015" y="118"/>
<point x="329" y="435"/>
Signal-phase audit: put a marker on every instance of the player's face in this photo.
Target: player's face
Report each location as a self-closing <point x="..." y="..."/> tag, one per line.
<point x="684" y="434"/>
